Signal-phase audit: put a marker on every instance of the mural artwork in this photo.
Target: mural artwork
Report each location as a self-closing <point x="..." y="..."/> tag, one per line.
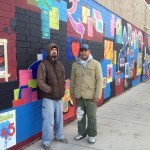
<point x="28" y="26"/>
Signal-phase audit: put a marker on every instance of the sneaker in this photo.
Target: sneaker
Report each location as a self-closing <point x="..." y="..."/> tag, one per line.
<point x="63" y="140"/>
<point x="46" y="147"/>
<point x="79" y="137"/>
<point x="92" y="140"/>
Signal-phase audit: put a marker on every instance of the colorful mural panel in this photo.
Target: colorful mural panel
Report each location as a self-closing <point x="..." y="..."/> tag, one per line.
<point x="7" y="129"/>
<point x="28" y="26"/>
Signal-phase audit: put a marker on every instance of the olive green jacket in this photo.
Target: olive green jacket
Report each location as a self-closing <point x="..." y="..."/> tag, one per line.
<point x="86" y="82"/>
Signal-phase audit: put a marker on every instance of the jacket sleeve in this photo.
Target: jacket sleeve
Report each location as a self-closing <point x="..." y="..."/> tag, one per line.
<point x="72" y="80"/>
<point x="99" y="81"/>
<point x="41" y="79"/>
<point x="63" y="71"/>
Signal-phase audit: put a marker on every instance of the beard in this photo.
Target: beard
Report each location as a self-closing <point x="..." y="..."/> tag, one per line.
<point x="54" y="55"/>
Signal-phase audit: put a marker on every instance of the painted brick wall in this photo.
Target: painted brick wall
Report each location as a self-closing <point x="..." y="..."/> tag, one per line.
<point x="29" y="26"/>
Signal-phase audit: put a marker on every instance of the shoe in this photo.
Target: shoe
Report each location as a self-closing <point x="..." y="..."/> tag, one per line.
<point x="46" y="147"/>
<point x="63" y="140"/>
<point x="79" y="137"/>
<point x="92" y="140"/>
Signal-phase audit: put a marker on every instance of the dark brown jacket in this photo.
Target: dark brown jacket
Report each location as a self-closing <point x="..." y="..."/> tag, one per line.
<point x="51" y="77"/>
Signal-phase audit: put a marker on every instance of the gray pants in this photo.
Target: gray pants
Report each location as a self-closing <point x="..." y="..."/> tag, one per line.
<point x="87" y="107"/>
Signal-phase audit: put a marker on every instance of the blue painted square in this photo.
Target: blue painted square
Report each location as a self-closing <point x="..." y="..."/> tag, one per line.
<point x="45" y="4"/>
<point x="45" y="32"/>
<point x="45" y="15"/>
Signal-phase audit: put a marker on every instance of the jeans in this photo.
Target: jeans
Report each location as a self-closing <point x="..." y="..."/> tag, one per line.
<point x="52" y="114"/>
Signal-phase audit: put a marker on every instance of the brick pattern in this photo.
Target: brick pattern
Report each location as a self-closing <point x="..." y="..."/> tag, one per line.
<point x="6" y="13"/>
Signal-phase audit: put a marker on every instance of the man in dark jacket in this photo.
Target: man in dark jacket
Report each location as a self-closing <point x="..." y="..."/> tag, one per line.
<point x="51" y="81"/>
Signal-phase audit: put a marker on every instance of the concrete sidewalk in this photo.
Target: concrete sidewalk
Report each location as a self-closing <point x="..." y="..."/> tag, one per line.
<point x="123" y="124"/>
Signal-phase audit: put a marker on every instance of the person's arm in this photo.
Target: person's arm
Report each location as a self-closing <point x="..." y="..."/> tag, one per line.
<point x="72" y="81"/>
<point x="64" y="74"/>
<point x="41" y="79"/>
<point x="99" y="82"/>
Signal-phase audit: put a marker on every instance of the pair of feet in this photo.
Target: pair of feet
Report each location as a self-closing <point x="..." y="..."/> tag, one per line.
<point x="47" y="146"/>
<point x="91" y="140"/>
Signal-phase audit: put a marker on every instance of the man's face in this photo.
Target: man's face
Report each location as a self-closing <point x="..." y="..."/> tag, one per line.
<point x="53" y="52"/>
<point x="84" y="54"/>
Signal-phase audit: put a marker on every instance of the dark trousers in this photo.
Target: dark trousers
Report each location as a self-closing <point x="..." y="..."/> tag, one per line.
<point x="87" y="107"/>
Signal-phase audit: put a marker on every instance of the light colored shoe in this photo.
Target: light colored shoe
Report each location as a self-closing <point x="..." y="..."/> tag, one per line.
<point x="92" y="140"/>
<point x="79" y="137"/>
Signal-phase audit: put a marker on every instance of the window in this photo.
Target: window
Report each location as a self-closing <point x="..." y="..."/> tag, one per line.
<point x="3" y="60"/>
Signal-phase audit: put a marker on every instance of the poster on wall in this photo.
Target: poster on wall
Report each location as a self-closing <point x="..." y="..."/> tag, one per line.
<point x="131" y="72"/>
<point x="7" y="129"/>
<point x="117" y="81"/>
<point x="104" y="82"/>
<point x="2" y="60"/>
<point x="122" y="62"/>
<point x="109" y="73"/>
<point x="139" y="64"/>
<point x="126" y="70"/>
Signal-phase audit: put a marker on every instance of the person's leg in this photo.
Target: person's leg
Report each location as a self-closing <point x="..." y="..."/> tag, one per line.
<point x="58" y="118"/>
<point x="81" y="117"/>
<point x="48" y="121"/>
<point x="91" y="108"/>
<point x="58" y="124"/>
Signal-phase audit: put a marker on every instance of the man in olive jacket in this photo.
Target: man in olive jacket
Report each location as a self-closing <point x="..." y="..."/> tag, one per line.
<point x="86" y="88"/>
<point x="51" y="82"/>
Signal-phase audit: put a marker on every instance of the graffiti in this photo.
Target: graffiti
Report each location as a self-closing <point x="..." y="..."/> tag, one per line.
<point x="54" y="18"/>
<point x="45" y="24"/>
<point x="98" y="21"/>
<point x="109" y="73"/>
<point x="67" y="98"/>
<point x="122" y="62"/>
<point x="118" y="31"/>
<point x="117" y="79"/>
<point x="75" y="46"/>
<point x="87" y="24"/>
<point x="112" y="25"/>
<point x="126" y="70"/>
<point x="90" y="27"/>
<point x="122" y="49"/>
<point x="108" y="50"/>
<point x="50" y="14"/>
<point x="104" y="82"/>
<point x="45" y="4"/>
<point x="78" y="26"/>
<point x="85" y="14"/>
<point x="7" y="129"/>
<point x="139" y="64"/>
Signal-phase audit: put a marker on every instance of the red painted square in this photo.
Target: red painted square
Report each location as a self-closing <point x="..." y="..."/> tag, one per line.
<point x="18" y="102"/>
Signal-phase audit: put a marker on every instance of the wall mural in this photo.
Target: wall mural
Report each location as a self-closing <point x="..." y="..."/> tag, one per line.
<point x="125" y="56"/>
<point x="28" y="26"/>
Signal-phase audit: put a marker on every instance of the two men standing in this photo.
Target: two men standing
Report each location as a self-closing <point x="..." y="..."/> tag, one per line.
<point x="86" y="88"/>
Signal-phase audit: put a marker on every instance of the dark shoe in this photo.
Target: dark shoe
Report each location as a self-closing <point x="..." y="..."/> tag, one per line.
<point x="79" y="137"/>
<point x="63" y="140"/>
<point x="46" y="147"/>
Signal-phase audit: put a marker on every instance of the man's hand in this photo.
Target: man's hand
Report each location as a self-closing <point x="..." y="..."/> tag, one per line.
<point x="96" y="99"/>
<point x="72" y="97"/>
